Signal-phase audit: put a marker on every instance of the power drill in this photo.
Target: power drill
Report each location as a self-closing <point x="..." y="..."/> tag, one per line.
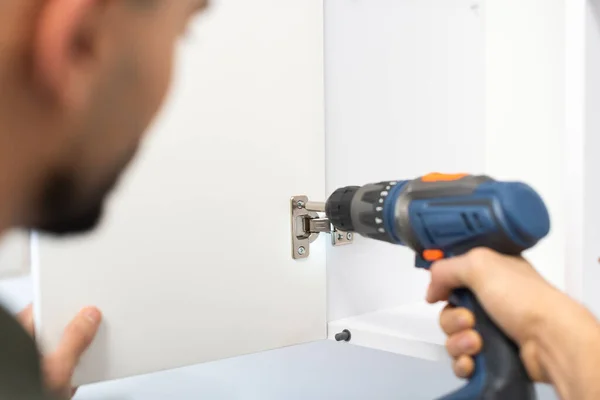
<point x="444" y="215"/>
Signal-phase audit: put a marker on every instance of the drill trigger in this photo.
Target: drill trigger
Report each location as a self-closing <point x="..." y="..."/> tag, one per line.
<point x="420" y="262"/>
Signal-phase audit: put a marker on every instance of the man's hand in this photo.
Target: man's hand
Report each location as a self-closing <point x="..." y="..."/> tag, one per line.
<point x="559" y="340"/>
<point x="59" y="366"/>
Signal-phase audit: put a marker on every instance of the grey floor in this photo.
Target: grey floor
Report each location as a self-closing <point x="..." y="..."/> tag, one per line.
<point x="324" y="370"/>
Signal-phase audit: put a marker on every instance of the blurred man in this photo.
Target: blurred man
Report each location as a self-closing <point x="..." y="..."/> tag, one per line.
<point x="80" y="81"/>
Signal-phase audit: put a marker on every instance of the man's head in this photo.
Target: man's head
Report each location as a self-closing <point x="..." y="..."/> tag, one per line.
<point x="80" y="81"/>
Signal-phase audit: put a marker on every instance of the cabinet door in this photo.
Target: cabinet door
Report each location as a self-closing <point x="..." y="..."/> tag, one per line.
<point x="193" y="261"/>
<point x="14" y="255"/>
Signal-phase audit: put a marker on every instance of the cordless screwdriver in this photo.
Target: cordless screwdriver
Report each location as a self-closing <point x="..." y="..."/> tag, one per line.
<point x="445" y="215"/>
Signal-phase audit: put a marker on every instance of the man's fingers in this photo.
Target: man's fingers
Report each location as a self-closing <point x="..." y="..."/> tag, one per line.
<point x="464" y="367"/>
<point x="447" y="275"/>
<point x="464" y="343"/>
<point x="25" y="318"/>
<point x="454" y="320"/>
<point x="78" y="335"/>
<point x="457" y="272"/>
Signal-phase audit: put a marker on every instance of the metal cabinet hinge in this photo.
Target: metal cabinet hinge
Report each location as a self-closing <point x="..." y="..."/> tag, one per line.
<point x="308" y="221"/>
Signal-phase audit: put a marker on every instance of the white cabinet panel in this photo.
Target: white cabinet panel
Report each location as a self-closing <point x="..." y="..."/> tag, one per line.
<point x="583" y="259"/>
<point x="525" y="111"/>
<point x="193" y="261"/>
<point x="14" y="255"/>
<point x="404" y="97"/>
<point x="542" y="100"/>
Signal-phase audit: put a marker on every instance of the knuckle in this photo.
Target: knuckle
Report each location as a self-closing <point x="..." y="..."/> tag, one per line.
<point x="477" y="260"/>
<point x="480" y="255"/>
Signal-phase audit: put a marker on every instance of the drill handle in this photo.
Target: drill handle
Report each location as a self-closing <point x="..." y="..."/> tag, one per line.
<point x="499" y="371"/>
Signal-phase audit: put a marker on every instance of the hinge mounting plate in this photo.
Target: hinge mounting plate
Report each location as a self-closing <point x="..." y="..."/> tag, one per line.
<point x="307" y="224"/>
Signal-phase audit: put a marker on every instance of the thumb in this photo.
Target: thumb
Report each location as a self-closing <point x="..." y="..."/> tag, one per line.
<point x="77" y="337"/>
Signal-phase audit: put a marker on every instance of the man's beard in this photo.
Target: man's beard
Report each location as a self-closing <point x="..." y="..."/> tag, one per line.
<point x="62" y="210"/>
<point x="65" y="210"/>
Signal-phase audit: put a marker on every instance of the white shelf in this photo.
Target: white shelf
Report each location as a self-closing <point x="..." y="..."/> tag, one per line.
<point x="411" y="330"/>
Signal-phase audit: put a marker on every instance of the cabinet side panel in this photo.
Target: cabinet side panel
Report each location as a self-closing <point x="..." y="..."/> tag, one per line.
<point x="404" y="96"/>
<point x="525" y="110"/>
<point x="591" y="242"/>
<point x="193" y="261"/>
<point x="574" y="144"/>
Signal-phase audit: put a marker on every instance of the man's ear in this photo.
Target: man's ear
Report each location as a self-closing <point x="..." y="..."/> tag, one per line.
<point x="69" y="47"/>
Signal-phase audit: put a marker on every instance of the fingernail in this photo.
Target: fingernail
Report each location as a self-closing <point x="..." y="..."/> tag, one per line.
<point x="92" y="314"/>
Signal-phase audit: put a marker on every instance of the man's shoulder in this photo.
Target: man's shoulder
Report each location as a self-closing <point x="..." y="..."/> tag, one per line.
<point x="20" y="372"/>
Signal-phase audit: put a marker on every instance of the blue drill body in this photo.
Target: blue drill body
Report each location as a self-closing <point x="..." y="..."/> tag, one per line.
<point x="457" y="224"/>
<point x="440" y="216"/>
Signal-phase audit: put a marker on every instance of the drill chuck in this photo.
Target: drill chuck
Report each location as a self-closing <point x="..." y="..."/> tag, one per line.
<point x="361" y="209"/>
<point x="339" y="208"/>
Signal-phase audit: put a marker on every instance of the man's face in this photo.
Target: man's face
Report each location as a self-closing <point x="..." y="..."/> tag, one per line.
<point x="123" y="88"/>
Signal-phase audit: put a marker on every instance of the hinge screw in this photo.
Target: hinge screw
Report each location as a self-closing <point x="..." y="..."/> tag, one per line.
<point x="349" y="236"/>
<point x="300" y="204"/>
<point x="301" y="250"/>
